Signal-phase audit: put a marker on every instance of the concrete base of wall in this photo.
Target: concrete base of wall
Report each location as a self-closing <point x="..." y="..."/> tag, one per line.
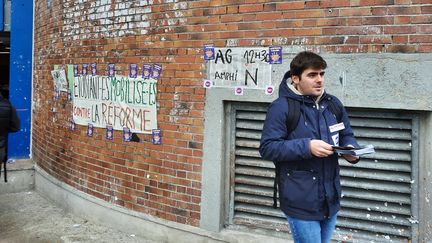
<point x="20" y="177"/>
<point x="128" y="221"/>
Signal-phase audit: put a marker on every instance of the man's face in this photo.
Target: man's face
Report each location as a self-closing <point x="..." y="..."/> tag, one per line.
<point x="311" y="82"/>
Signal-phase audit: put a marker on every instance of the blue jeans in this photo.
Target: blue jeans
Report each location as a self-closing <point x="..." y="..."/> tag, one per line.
<point x="312" y="231"/>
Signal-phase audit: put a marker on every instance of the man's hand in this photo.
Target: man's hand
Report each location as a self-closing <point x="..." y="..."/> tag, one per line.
<point x="320" y="148"/>
<point x="349" y="157"/>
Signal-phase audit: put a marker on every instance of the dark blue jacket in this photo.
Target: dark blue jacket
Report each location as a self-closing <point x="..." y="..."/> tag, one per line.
<point x="9" y="121"/>
<point x="309" y="187"/>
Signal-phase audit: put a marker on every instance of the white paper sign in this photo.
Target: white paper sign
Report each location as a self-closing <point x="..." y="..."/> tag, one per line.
<point x="117" y="101"/>
<point x="247" y="67"/>
<point x="60" y="82"/>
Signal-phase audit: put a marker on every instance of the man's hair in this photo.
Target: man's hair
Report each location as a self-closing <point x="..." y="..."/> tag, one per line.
<point x="305" y="60"/>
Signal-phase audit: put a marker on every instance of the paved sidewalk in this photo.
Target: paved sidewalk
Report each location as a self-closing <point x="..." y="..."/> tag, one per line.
<point x="28" y="217"/>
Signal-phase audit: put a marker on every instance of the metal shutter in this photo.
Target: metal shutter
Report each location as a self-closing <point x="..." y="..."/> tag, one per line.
<point x="379" y="193"/>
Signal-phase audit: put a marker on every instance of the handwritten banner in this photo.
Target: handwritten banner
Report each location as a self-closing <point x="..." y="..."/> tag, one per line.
<point x="119" y="101"/>
<point x="246" y="67"/>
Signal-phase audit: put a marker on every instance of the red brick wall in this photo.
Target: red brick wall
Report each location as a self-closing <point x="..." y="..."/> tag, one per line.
<point x="165" y="180"/>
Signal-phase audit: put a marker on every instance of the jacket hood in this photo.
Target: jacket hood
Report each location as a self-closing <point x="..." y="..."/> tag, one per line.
<point x="288" y="90"/>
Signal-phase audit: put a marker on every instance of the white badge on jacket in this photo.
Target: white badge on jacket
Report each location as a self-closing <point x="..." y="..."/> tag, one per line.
<point x="337" y="127"/>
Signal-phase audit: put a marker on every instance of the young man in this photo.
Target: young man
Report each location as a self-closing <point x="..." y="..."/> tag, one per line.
<point x="9" y="122"/>
<point x="307" y="167"/>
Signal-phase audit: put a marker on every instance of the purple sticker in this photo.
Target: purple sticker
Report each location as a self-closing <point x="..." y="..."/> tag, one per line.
<point x="127" y="135"/>
<point x="156" y="136"/>
<point x="275" y="54"/>
<point x="269" y="89"/>
<point x="84" y="69"/>
<point x="209" y="52"/>
<point x="156" y="71"/>
<point x="72" y="125"/>
<point x="238" y="90"/>
<point x="146" y="71"/>
<point x="90" y="130"/>
<point x="75" y="70"/>
<point x="109" y="132"/>
<point x="93" y="69"/>
<point x="207" y="84"/>
<point x="133" y="70"/>
<point x="111" y="70"/>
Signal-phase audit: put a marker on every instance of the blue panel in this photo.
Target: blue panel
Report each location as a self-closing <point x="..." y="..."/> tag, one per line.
<point x="1" y="15"/>
<point x="21" y="75"/>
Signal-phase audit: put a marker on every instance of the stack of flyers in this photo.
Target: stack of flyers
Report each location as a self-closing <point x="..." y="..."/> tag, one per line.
<point x="360" y="151"/>
<point x="127" y="135"/>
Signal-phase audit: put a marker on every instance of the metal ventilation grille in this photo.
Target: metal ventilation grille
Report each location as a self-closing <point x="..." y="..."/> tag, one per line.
<point x="377" y="192"/>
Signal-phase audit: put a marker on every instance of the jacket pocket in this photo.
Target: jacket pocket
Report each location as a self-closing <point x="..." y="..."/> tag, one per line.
<point x="300" y="190"/>
<point x="338" y="188"/>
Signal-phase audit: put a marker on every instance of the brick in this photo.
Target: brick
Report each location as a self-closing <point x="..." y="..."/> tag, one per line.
<point x="198" y="4"/>
<point x="228" y="35"/>
<point x="426" y="9"/>
<point x="215" y="11"/>
<point x="375" y="40"/>
<point x="231" y="18"/>
<point x="399" y="20"/>
<point x="198" y="20"/>
<point x="248" y="26"/>
<point x="250" y="8"/>
<point x="268" y="16"/>
<point x="329" y="22"/>
<point x="400" y="29"/>
<point x="423" y="29"/>
<point x="334" y="3"/>
<point x="425" y="48"/>
<point x="309" y="22"/>
<point x="401" y="48"/>
<point x="312" y="4"/>
<point x="411" y="10"/>
<point x="232" y="9"/>
<point x="269" y="7"/>
<point x="377" y="20"/>
<point x="295" y="5"/>
<point x="309" y="14"/>
<point x="371" y="2"/>
<point x="289" y="23"/>
<point x="329" y="40"/>
<point x="421" y="19"/>
<point x="420" y="39"/>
